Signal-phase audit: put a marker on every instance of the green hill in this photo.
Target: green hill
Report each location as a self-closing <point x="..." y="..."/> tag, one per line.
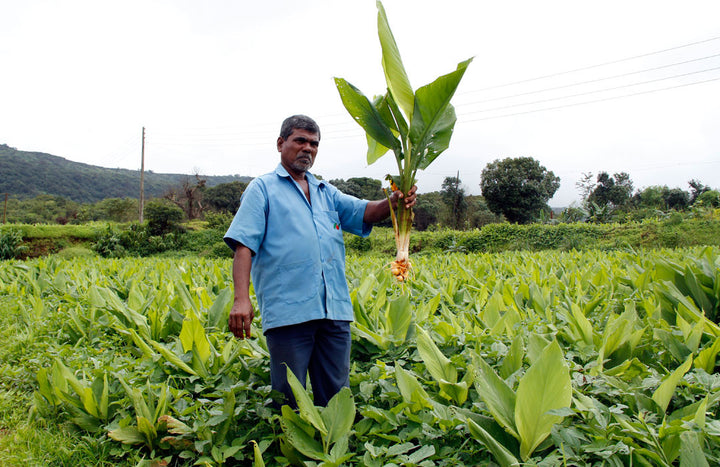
<point x="28" y="174"/>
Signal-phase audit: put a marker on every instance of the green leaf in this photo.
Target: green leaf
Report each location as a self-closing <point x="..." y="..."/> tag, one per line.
<point x="298" y="436"/>
<point x="218" y="313"/>
<point x="229" y="412"/>
<point x="411" y="390"/>
<point x="395" y="74"/>
<point x="192" y="335"/>
<point x="691" y="451"/>
<point x="127" y="435"/>
<point x="498" y="396"/>
<point x="366" y="115"/>
<point x="147" y="429"/>
<point x="665" y="391"/>
<point x="502" y="455"/>
<point x="434" y="118"/>
<point x="258" y="459"/>
<point x="170" y="356"/>
<point x="339" y="415"/>
<point x="514" y="358"/>
<point x="706" y="358"/>
<point x="375" y="150"/>
<point x="544" y="387"/>
<point x="439" y="366"/>
<point x="308" y="411"/>
<point x="399" y="317"/>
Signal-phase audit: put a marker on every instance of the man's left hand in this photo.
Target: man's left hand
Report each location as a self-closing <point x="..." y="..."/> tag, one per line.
<point x="410" y="199"/>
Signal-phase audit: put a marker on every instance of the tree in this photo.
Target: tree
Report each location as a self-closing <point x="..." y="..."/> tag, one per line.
<point x="162" y="217"/>
<point x="586" y="185"/>
<point x="710" y="198"/>
<point x="225" y="197"/>
<point x="677" y="199"/>
<point x="427" y="207"/>
<point x="453" y="196"/>
<point x="478" y="213"/>
<point x="360" y="187"/>
<point x="652" y="197"/>
<point x="518" y="188"/>
<point x="188" y="197"/>
<point x="696" y="189"/>
<point x="615" y="191"/>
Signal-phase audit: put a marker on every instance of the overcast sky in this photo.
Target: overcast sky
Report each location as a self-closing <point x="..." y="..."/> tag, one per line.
<point x="582" y="87"/>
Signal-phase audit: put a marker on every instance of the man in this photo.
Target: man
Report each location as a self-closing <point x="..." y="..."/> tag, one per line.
<point x="288" y="234"/>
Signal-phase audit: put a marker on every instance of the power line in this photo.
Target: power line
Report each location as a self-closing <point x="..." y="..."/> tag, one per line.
<point x="622" y="75"/>
<point x="594" y="92"/>
<point x="591" y="102"/>
<point x="613" y="62"/>
<point x="235" y="135"/>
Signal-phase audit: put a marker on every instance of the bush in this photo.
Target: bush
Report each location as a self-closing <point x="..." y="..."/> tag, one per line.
<point x="137" y="241"/>
<point x="709" y="199"/>
<point x="220" y="250"/>
<point x="359" y="244"/>
<point x="109" y="245"/>
<point x="218" y="220"/>
<point x="163" y="217"/>
<point x="75" y="252"/>
<point x="202" y="241"/>
<point x="11" y="246"/>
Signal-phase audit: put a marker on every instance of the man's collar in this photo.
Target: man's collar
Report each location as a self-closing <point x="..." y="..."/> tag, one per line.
<point x="282" y="172"/>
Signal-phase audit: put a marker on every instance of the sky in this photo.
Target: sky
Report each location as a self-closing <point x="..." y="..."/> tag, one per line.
<point x="582" y="87"/>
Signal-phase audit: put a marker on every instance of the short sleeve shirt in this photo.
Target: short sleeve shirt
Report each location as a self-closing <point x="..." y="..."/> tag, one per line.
<point x="298" y="262"/>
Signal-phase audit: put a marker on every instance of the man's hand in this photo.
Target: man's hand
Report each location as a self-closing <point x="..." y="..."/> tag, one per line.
<point x="241" y="317"/>
<point x="409" y="199"/>
<point x="379" y="210"/>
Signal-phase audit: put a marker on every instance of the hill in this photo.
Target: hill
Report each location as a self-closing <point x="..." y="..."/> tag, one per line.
<point x="28" y="174"/>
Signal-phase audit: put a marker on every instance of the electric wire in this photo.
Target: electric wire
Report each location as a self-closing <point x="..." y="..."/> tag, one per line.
<point x="591" y="81"/>
<point x="590" y="67"/>
<point x="593" y="92"/>
<point x="260" y="133"/>
<point x="592" y="101"/>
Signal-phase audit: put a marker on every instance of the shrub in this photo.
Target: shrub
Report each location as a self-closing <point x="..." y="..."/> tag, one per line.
<point x="709" y="198"/>
<point x="218" y="220"/>
<point x="220" y="250"/>
<point x="11" y="244"/>
<point x="163" y="217"/>
<point x="109" y="245"/>
<point x="75" y="252"/>
<point x="137" y="241"/>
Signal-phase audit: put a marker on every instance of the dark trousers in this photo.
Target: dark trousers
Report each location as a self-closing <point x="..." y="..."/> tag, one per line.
<point x="319" y="347"/>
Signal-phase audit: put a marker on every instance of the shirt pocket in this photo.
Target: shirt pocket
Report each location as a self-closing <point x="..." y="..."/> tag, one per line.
<point x="297" y="282"/>
<point x="330" y="228"/>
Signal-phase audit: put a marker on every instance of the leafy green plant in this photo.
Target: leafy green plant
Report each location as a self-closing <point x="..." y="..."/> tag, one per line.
<point x="530" y="412"/>
<point x="471" y="367"/>
<point x="415" y="125"/>
<point x="333" y="423"/>
<point x="11" y="246"/>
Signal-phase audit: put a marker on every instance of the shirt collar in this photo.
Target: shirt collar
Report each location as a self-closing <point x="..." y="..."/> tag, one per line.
<point x="312" y="180"/>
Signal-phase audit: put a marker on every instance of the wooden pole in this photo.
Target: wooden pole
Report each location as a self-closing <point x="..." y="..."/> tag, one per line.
<point x="142" y="178"/>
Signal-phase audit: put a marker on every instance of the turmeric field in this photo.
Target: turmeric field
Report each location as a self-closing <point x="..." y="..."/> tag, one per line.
<point x="516" y="358"/>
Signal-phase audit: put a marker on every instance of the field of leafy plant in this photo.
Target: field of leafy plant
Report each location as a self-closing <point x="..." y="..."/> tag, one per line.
<point x="549" y="358"/>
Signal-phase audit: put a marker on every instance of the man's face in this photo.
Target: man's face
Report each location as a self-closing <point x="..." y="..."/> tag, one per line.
<point x="298" y="151"/>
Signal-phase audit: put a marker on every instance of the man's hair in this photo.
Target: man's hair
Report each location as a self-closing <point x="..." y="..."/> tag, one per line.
<point x="298" y="122"/>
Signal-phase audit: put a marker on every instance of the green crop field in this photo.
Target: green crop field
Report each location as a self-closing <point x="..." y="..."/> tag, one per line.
<point x="533" y="358"/>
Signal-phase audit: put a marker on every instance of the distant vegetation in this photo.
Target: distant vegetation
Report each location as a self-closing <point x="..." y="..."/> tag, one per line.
<point x="29" y="174"/>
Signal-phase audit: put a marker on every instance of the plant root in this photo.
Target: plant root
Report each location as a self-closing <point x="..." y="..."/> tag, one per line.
<point x="400" y="269"/>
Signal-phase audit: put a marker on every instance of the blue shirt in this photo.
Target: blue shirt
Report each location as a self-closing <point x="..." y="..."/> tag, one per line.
<point x="298" y="262"/>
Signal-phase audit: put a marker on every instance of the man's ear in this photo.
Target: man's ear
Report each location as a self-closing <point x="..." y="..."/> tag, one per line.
<point x="280" y="141"/>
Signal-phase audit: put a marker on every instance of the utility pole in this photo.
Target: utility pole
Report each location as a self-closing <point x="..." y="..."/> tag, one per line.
<point x="142" y="177"/>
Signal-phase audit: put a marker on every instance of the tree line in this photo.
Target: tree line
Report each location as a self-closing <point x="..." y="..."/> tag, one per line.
<point x="515" y="190"/>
